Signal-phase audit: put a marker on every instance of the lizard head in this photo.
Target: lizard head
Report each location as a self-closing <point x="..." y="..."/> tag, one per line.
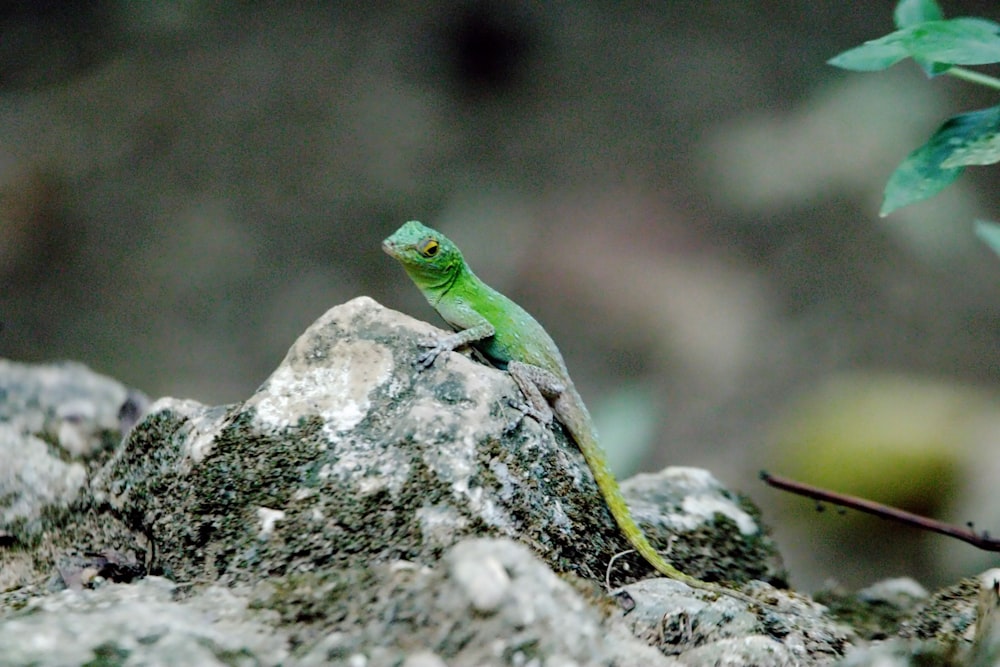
<point x="430" y="259"/>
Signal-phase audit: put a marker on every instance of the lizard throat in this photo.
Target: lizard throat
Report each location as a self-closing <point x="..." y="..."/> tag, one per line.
<point x="437" y="286"/>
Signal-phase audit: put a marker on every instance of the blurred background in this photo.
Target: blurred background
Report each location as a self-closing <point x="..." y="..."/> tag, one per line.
<point x="685" y="195"/>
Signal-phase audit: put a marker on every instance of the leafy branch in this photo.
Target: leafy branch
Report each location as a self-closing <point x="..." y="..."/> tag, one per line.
<point x="938" y="46"/>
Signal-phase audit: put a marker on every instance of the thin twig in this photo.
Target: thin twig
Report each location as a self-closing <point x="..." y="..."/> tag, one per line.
<point x="980" y="540"/>
<point x="611" y="564"/>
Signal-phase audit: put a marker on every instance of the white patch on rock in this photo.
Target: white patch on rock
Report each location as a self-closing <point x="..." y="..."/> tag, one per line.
<point x="439" y="523"/>
<point x="560" y="518"/>
<point x="424" y="659"/>
<point x="702" y="508"/>
<point x="31" y="479"/>
<point x="200" y="446"/>
<point x="695" y="490"/>
<point x="484" y="581"/>
<point x="201" y="426"/>
<point x="337" y="388"/>
<point x="694" y="477"/>
<point x="507" y="483"/>
<point x="895" y="590"/>
<point x="268" y="518"/>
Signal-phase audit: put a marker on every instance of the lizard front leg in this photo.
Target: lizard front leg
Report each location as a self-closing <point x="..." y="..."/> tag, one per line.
<point x="448" y="343"/>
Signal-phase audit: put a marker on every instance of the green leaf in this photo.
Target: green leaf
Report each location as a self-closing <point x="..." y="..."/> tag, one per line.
<point x="967" y="139"/>
<point x="911" y="12"/>
<point x="973" y="138"/>
<point x="874" y="55"/>
<point x="919" y="177"/>
<point x="961" y="41"/>
<point x="935" y="45"/>
<point x="989" y="233"/>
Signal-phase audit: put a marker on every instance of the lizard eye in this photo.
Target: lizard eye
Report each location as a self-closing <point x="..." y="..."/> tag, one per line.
<point x="429" y="248"/>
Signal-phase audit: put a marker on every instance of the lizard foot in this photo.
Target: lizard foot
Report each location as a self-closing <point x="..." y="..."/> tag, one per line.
<point x="514" y="423"/>
<point x="525" y="410"/>
<point x="431" y="352"/>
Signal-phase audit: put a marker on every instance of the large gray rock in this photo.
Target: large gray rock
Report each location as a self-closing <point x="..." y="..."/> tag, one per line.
<point x="337" y="517"/>
<point x="347" y="454"/>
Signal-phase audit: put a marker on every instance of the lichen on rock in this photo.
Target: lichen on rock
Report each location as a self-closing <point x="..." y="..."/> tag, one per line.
<point x="355" y="455"/>
<point x="366" y="510"/>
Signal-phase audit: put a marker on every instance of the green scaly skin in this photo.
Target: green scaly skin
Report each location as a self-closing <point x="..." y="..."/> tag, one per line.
<point x="512" y="339"/>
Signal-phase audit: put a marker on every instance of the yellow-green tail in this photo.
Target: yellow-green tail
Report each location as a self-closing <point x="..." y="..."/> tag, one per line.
<point x="623" y="516"/>
<point x="572" y="413"/>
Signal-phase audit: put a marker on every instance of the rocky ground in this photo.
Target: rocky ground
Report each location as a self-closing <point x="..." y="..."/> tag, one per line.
<point x="354" y="511"/>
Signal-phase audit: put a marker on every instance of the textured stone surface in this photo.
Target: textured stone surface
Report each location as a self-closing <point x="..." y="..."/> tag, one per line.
<point x="354" y="511"/>
<point x="58" y="422"/>
<point x="67" y="404"/>
<point x="138" y="624"/>
<point x="348" y="454"/>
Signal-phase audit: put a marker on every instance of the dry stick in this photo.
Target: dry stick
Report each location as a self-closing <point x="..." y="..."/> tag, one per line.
<point x="981" y="541"/>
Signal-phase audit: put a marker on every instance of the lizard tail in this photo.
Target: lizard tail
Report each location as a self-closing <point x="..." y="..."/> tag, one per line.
<point x="579" y="426"/>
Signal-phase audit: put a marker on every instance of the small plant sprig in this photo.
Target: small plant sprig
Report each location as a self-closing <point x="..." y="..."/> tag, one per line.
<point x="938" y="46"/>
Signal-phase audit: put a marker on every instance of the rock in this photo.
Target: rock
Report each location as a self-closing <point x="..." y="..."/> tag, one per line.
<point x="723" y="631"/>
<point x="355" y="511"/>
<point x="957" y="625"/>
<point x="138" y="624"/>
<point x="347" y="454"/>
<point x="538" y="618"/>
<point x="57" y="422"/>
<point x="985" y="649"/>
<point x="33" y="484"/>
<point x="725" y="542"/>
<point x="902" y="592"/>
<point x="67" y="404"/>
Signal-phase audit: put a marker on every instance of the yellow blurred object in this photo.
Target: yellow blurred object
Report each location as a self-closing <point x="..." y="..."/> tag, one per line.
<point x="919" y="444"/>
<point x="892" y="438"/>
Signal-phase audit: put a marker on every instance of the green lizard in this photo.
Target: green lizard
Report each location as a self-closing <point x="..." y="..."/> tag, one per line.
<point x="512" y="339"/>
